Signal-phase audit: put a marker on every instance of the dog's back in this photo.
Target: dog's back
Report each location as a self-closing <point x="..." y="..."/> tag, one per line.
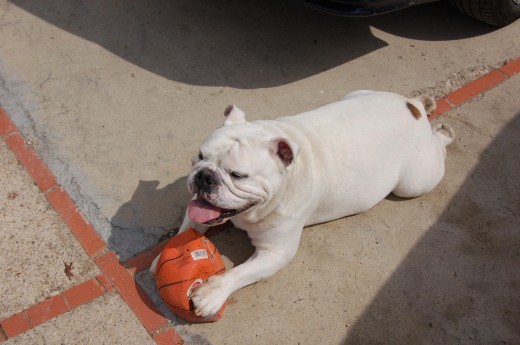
<point x="361" y="147"/>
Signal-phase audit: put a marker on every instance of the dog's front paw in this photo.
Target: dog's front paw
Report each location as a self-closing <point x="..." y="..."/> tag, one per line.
<point x="209" y="297"/>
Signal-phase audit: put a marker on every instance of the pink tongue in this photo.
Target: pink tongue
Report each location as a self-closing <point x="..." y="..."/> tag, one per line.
<point x="201" y="211"/>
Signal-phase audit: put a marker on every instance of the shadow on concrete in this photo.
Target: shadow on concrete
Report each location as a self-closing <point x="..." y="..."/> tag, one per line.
<point x="461" y="282"/>
<point x="150" y="214"/>
<point x="241" y="44"/>
<point x="234" y="245"/>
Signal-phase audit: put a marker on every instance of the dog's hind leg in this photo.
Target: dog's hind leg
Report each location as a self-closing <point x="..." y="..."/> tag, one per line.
<point x="426" y="170"/>
<point x="445" y="133"/>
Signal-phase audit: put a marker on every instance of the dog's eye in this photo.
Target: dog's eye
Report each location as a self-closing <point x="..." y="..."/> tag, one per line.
<point x="237" y="175"/>
<point x="201" y="156"/>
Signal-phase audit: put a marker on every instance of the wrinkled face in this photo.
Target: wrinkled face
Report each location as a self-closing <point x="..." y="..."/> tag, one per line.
<point x="238" y="169"/>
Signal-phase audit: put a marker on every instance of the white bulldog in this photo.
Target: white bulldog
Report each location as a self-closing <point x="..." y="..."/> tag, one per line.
<point x="272" y="178"/>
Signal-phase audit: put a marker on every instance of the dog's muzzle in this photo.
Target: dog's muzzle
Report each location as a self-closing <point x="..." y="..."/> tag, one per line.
<point x="204" y="181"/>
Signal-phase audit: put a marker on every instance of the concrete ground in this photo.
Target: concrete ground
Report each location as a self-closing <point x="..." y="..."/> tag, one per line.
<point x="36" y="248"/>
<point x="117" y="97"/>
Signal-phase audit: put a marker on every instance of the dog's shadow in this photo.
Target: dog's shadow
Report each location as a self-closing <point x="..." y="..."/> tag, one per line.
<point x="233" y="244"/>
<point x="154" y="214"/>
<point x="148" y="217"/>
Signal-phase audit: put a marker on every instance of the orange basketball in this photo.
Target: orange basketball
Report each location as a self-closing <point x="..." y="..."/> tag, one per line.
<point x="185" y="262"/>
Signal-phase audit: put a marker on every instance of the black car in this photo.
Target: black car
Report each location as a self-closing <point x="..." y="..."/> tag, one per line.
<point x="494" y="12"/>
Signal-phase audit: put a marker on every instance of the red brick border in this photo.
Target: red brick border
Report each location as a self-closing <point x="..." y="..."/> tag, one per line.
<point x="6" y="126"/>
<point x="442" y="107"/>
<point x="53" y="307"/>
<point x="476" y="87"/>
<point x="46" y="310"/>
<point x="131" y="292"/>
<point x="511" y="68"/>
<point x="103" y="280"/>
<point x="16" y="324"/>
<point x="34" y="165"/>
<point x="82" y="230"/>
<point x="117" y="275"/>
<point x="84" y="293"/>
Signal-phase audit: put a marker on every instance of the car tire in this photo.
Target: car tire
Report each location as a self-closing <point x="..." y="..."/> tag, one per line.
<point x="494" y="12"/>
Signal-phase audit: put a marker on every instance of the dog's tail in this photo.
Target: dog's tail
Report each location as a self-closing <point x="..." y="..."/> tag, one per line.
<point x="445" y="133"/>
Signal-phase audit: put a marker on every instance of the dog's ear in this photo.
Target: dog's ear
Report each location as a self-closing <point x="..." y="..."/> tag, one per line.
<point x="233" y="115"/>
<point x="283" y="149"/>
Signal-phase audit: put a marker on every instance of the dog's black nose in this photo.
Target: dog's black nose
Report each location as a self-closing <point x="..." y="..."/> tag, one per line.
<point x="205" y="179"/>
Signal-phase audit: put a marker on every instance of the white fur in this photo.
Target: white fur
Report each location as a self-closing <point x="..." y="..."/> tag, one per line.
<point x="348" y="156"/>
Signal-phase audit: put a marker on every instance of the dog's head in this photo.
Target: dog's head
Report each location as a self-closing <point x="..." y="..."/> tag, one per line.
<point x="239" y="170"/>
